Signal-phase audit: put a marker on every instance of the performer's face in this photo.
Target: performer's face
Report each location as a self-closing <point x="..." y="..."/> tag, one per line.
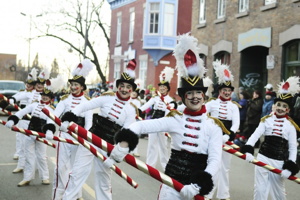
<point x="225" y="93"/>
<point x="281" y="108"/>
<point x="163" y="89"/>
<point x="29" y="86"/>
<point x="46" y="99"/>
<point x="39" y="86"/>
<point x="194" y="100"/>
<point x="134" y="95"/>
<point x="124" y="90"/>
<point x="75" y="88"/>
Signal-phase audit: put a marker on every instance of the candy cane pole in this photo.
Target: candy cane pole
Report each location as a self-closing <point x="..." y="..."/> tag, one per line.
<point x="14" y="105"/>
<point x="92" y="150"/>
<point x="38" y="139"/>
<point x="259" y="163"/>
<point x="39" y="134"/>
<point x="131" y="160"/>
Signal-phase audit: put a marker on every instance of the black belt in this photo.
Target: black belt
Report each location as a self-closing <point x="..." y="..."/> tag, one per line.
<point x="274" y="147"/>
<point x="104" y="128"/>
<point x="183" y="164"/>
<point x="36" y="124"/>
<point x="227" y="124"/>
<point x="158" y="114"/>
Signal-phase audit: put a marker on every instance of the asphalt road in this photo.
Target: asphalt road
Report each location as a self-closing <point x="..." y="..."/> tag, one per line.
<point x="241" y="178"/>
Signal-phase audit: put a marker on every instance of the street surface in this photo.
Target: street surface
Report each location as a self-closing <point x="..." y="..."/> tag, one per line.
<point x="241" y="178"/>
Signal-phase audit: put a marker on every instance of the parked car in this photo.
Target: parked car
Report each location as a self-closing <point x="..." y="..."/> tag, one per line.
<point x="9" y="87"/>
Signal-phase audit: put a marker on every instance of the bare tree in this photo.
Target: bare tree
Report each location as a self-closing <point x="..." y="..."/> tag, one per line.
<point x="83" y="20"/>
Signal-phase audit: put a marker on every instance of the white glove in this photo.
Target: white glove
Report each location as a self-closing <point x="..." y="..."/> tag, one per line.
<point x="109" y="162"/>
<point x="286" y="173"/>
<point x="249" y="157"/>
<point x="49" y="135"/>
<point x="64" y="126"/>
<point x="11" y="101"/>
<point x="225" y="138"/>
<point x="189" y="191"/>
<point x="9" y="124"/>
<point x="118" y="153"/>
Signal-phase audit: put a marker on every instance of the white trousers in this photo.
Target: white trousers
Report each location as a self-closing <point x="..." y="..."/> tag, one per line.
<point x="82" y="167"/>
<point x="157" y="149"/>
<point x="267" y="182"/>
<point x="35" y="155"/>
<point x="65" y="157"/>
<point x="168" y="193"/>
<point x="20" y="144"/>
<point x="221" y="179"/>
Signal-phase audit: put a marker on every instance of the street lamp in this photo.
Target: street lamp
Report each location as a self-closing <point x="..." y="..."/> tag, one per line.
<point x="29" y="38"/>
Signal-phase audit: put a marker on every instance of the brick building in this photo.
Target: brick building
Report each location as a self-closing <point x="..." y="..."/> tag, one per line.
<point x="147" y="31"/>
<point x="7" y="66"/>
<point x="260" y="40"/>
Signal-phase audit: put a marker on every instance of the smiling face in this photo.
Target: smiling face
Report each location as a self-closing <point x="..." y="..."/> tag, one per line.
<point x="124" y="90"/>
<point x="29" y="86"/>
<point x="225" y="93"/>
<point x="75" y="88"/>
<point x="281" y="108"/>
<point x="39" y="86"/>
<point x="163" y="89"/>
<point x="46" y="98"/>
<point x="194" y="100"/>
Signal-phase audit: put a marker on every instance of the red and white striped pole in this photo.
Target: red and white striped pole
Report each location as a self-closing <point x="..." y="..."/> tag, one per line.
<point x="92" y="150"/>
<point x="38" y="139"/>
<point x="14" y="105"/>
<point x="131" y="160"/>
<point x="259" y="163"/>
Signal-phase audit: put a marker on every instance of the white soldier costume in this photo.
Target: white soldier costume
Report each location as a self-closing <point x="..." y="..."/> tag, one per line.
<point x="66" y="153"/>
<point x="25" y="97"/>
<point x="279" y="148"/>
<point x="157" y="143"/>
<point x="228" y="112"/>
<point x="196" y="137"/>
<point x="115" y="112"/>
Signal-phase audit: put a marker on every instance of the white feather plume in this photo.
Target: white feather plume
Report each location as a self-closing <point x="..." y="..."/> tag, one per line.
<point x="166" y="74"/>
<point x="56" y="84"/>
<point x="32" y="75"/>
<point x="83" y="68"/>
<point x="290" y="86"/>
<point x="187" y="42"/>
<point x="222" y="72"/>
<point x="44" y="74"/>
<point x="207" y="82"/>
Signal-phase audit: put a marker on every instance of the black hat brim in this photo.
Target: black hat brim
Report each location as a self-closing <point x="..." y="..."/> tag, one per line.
<point x="182" y="91"/>
<point x="134" y="86"/>
<point x="83" y="84"/>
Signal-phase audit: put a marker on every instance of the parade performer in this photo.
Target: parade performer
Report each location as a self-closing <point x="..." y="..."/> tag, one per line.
<point x="65" y="156"/>
<point x="279" y="148"/>
<point x="157" y="143"/>
<point x="228" y="112"/>
<point x="35" y="152"/>
<point x="115" y="112"/>
<point x="196" y="137"/>
<point x="23" y="123"/>
<point x="136" y="101"/>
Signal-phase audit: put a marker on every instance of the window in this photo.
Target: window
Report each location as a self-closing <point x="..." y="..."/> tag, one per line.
<point x="267" y="2"/>
<point x="154" y="18"/>
<point x="221" y="9"/>
<point x="169" y="19"/>
<point x="131" y="25"/>
<point x="119" y="28"/>
<point x="202" y="18"/>
<point x="117" y="73"/>
<point x="243" y="6"/>
<point x="143" y="73"/>
<point x="292" y="59"/>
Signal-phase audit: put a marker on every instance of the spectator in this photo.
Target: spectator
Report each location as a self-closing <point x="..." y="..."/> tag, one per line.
<point x="267" y="105"/>
<point x="254" y="111"/>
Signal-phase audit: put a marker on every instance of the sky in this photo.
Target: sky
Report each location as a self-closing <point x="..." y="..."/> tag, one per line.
<point x="15" y="31"/>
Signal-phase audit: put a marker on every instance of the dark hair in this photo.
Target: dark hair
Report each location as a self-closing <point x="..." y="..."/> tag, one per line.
<point x="258" y="92"/>
<point x="245" y="94"/>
